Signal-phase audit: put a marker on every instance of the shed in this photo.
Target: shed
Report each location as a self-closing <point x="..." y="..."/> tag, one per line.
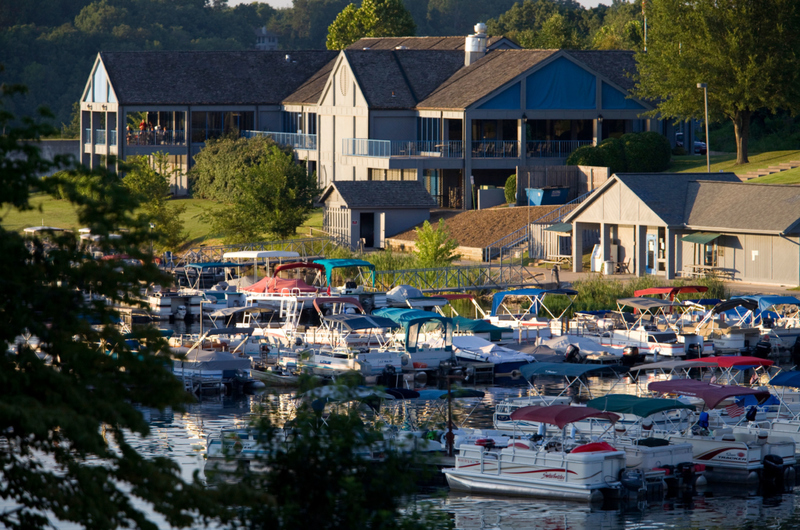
<point x="367" y="212"/>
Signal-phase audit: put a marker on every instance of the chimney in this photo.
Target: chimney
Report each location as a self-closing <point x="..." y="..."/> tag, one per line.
<point x="475" y="45"/>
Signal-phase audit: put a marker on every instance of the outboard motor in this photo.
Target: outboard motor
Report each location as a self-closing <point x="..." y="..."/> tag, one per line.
<point x="573" y="354"/>
<point x="773" y="474"/>
<point x="763" y="348"/>
<point x="693" y="351"/>
<point x="389" y="375"/>
<point x="751" y="413"/>
<point x="630" y="356"/>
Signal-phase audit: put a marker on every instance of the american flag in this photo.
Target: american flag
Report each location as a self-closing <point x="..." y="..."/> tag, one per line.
<point x="734" y="410"/>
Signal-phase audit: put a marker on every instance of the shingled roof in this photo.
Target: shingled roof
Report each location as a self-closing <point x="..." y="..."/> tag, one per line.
<point x="427" y="43"/>
<point x="383" y="194"/>
<point x="399" y="79"/>
<point x="665" y="193"/>
<point x="736" y="205"/>
<point x="310" y="91"/>
<point x="210" y="78"/>
<point x="615" y="65"/>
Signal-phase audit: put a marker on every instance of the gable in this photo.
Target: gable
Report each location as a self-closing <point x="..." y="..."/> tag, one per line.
<point x="99" y="89"/>
<point x="507" y="99"/>
<point x="617" y="204"/>
<point x="561" y="84"/>
<point x="614" y="99"/>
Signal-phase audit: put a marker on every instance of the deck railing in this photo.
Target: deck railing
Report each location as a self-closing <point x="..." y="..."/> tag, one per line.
<point x="495" y="149"/>
<point x="162" y="137"/>
<point x="402" y="148"/>
<point x="293" y="140"/>
<point x="553" y="148"/>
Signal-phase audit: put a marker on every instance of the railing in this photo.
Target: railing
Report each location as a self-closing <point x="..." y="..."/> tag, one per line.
<point x="557" y="215"/>
<point x="99" y="137"/>
<point x="402" y="148"/>
<point x="495" y="149"/>
<point x="293" y="140"/>
<point x="112" y="137"/>
<point x="87" y="137"/>
<point x="457" y="278"/>
<point x="306" y="247"/>
<point x="163" y="137"/>
<point x="553" y="148"/>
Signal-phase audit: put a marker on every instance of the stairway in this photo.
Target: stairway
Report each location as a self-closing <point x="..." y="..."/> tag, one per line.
<point x="770" y="170"/>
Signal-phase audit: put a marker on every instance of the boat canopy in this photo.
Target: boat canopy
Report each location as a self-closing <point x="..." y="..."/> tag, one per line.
<point x="260" y="254"/>
<point x="728" y="361"/>
<point x="727" y="305"/>
<point x="639" y="406"/>
<point x="361" y="322"/>
<point x="766" y="302"/>
<point x="569" y="369"/>
<point x="536" y="294"/>
<point x="702" y="301"/>
<point x="710" y="393"/>
<point x="228" y="311"/>
<point x="647" y="304"/>
<point x="478" y="326"/>
<point x="280" y="285"/>
<point x="413" y="320"/>
<point x="456" y="392"/>
<point x="338" y="300"/>
<point x="560" y="415"/>
<point x="211" y="265"/>
<point x="669" y="293"/>
<point x="297" y="265"/>
<point x="673" y="365"/>
<point x="331" y="264"/>
<point x="790" y="378"/>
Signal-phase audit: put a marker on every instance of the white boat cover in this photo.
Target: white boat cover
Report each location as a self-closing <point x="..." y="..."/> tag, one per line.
<point x="488" y="351"/>
<point x="401" y="293"/>
<point x="213" y="360"/>
<point x="585" y="344"/>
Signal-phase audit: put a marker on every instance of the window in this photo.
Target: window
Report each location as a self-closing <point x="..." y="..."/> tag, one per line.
<point x="312" y="122"/>
<point x="428" y="130"/>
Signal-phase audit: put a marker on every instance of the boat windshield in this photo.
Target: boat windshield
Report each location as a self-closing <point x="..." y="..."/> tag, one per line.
<point x="662" y="336"/>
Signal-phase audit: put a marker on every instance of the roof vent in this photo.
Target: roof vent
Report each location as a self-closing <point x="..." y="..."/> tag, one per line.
<point x="475" y="45"/>
<point x="393" y="93"/>
<point x="401" y="47"/>
<point x="365" y="48"/>
<point x="288" y="58"/>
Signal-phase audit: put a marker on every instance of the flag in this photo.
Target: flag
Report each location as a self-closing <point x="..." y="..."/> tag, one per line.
<point x="734" y="410"/>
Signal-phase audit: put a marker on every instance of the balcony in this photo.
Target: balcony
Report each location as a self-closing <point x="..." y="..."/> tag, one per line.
<point x="163" y="137"/>
<point x="495" y="149"/>
<point x="87" y="137"/>
<point x="293" y="140"/>
<point x="554" y="148"/>
<point x="99" y="137"/>
<point x="401" y="148"/>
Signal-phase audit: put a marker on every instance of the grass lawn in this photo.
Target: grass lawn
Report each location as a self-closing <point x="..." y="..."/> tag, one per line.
<point x="52" y="212"/>
<point x="727" y="162"/>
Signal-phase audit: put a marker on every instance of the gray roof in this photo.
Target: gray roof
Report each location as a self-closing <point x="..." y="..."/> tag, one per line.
<point x="665" y="193"/>
<point x="499" y="67"/>
<point x="310" y="91"/>
<point x="427" y="43"/>
<point x="381" y="194"/>
<point x="743" y="206"/>
<point x="398" y="79"/>
<point x="210" y="78"/>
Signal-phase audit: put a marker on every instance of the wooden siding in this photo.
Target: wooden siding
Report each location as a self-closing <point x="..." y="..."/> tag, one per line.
<point x="785" y="264"/>
<point x="618" y="205"/>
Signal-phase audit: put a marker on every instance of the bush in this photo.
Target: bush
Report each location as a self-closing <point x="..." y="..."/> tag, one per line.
<point x="588" y="155"/>
<point x="613" y="151"/>
<point x="511" y="189"/>
<point x="646" y="152"/>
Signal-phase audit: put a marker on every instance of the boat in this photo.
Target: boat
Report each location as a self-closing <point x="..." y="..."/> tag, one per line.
<point x="741" y="457"/>
<point x="426" y="339"/>
<point x="549" y="469"/>
<point x="728" y="327"/>
<point x="274" y="375"/>
<point x="503" y="362"/>
<point x="526" y="323"/>
<point x="778" y="317"/>
<point x="642" y="330"/>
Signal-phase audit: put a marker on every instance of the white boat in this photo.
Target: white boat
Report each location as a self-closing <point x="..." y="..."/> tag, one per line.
<point x="589" y="472"/>
<point x="505" y="362"/>
<point x="526" y="323"/>
<point x="735" y="335"/>
<point x="728" y="456"/>
<point x="643" y="332"/>
<point x="426" y="339"/>
<point x="778" y="317"/>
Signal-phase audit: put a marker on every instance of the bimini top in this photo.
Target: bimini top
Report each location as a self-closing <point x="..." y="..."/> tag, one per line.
<point x="260" y="254"/>
<point x="560" y="415"/>
<point x="790" y="378"/>
<point x="639" y="406"/>
<point x="647" y="304"/>
<point x="673" y="365"/>
<point x="728" y="361"/>
<point x="406" y="317"/>
<point x="297" y="265"/>
<point x="331" y="264"/>
<point x="710" y="393"/>
<point x="355" y="322"/>
<point x="765" y="302"/>
<point x="456" y="392"/>
<point x="498" y="298"/>
<point x="727" y="305"/>
<point x="211" y="265"/>
<point x="569" y="370"/>
<point x="669" y="293"/>
<point x="476" y="326"/>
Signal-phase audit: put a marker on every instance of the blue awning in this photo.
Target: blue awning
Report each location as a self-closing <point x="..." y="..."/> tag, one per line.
<point x="765" y="302"/>
<point x="791" y="378"/>
<point x="331" y="264"/>
<point x="498" y="298"/>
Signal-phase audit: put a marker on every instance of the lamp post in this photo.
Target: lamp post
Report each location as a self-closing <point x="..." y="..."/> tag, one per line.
<point x="704" y="86"/>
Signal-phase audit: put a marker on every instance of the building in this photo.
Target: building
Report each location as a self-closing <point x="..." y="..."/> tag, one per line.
<point x="362" y="214"/>
<point x="266" y="40"/>
<point x="685" y="224"/>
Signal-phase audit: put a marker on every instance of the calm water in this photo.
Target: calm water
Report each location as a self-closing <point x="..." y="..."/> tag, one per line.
<point x="182" y="436"/>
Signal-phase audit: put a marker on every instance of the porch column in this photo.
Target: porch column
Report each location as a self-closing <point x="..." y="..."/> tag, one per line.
<point x="467" y="195"/>
<point x="522" y="126"/>
<point x="669" y="235"/>
<point x="597" y="131"/>
<point x="577" y="247"/>
<point x="641" y="250"/>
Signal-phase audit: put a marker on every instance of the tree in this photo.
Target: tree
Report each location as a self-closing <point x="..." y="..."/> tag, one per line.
<point x="275" y="195"/>
<point x="375" y="18"/>
<point x="511" y="189"/>
<point x="746" y="51"/>
<point x="68" y="411"/>
<point x="152" y="189"/>
<point x="435" y="247"/>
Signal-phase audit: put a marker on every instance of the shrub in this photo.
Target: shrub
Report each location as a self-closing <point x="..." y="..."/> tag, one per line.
<point x="646" y="152"/>
<point x="588" y="155"/>
<point x="613" y="153"/>
<point x="435" y="246"/>
<point x="511" y="189"/>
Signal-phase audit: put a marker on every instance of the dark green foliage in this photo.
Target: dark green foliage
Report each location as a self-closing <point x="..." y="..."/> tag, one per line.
<point x="511" y="189"/>
<point x="613" y="152"/>
<point x="375" y="18"/>
<point x="646" y="152"/>
<point x="67" y="413"/>
<point x="588" y="155"/>
<point x="435" y="246"/>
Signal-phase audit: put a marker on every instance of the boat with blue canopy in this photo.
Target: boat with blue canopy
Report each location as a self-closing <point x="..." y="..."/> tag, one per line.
<point x="526" y="322"/>
<point x="426" y="339"/>
<point x="778" y="317"/>
<point x="351" y="286"/>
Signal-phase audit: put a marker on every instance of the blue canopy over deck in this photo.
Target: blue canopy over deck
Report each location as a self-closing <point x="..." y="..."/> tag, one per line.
<point x="413" y="320"/>
<point x="331" y="264"/>
<point x="537" y="297"/>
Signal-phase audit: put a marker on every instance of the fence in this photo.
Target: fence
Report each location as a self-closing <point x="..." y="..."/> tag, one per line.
<point x="579" y="179"/>
<point x="401" y="148"/>
<point x="457" y="278"/>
